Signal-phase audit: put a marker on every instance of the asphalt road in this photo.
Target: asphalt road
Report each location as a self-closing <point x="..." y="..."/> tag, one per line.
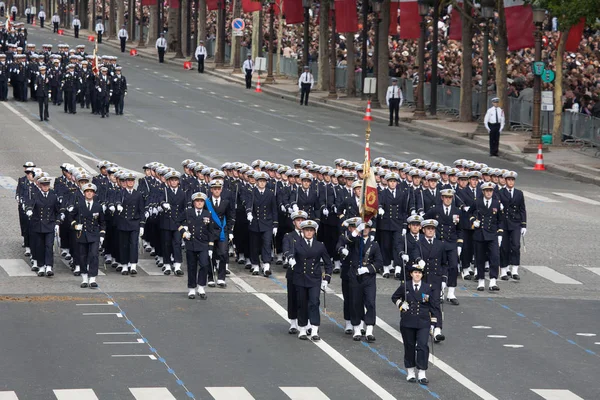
<point x="237" y="338"/>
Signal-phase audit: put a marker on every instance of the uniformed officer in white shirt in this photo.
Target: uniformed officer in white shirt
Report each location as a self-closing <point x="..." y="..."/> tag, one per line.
<point x="200" y="55"/>
<point x="13" y="11"/>
<point x="42" y="17"/>
<point x="99" y="30"/>
<point x="394" y="100"/>
<point x="28" y="14"/>
<point x="494" y="123"/>
<point x="123" y="36"/>
<point x="76" y="24"/>
<point x="55" y="21"/>
<point x="305" y="83"/>
<point x="248" y="68"/>
<point x="161" y="46"/>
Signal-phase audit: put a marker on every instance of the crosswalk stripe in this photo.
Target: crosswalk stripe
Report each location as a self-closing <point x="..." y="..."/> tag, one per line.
<point x="75" y="394"/>
<point x="539" y="198"/>
<point x="8" y="396"/>
<point x="16" y="267"/>
<point x="551" y="275"/>
<point x="556" y="394"/>
<point x="100" y="267"/>
<point x="228" y="393"/>
<point x="578" y="198"/>
<point x="304" y="393"/>
<point x="152" y="393"/>
<point x="8" y="183"/>
<point x="595" y="270"/>
<point x="149" y="267"/>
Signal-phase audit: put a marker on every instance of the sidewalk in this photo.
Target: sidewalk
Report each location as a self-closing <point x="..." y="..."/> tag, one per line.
<point x="573" y="162"/>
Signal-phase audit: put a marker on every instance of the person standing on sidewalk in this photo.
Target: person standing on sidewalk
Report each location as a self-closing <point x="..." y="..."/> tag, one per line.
<point x="248" y="68"/>
<point x="200" y="55"/>
<point x="394" y="99"/>
<point x="42" y="17"/>
<point x="161" y="46"/>
<point x="28" y="14"/>
<point x="76" y="24"/>
<point x="494" y="123"/>
<point x="99" y="30"/>
<point x="305" y="83"/>
<point x="123" y="36"/>
<point x="55" y="21"/>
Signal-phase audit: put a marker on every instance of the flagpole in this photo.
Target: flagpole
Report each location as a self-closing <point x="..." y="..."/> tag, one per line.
<point x="366" y="166"/>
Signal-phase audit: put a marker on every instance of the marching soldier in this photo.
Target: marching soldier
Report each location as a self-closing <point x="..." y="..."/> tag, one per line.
<point x="130" y="219"/>
<point x="4" y="77"/>
<point x="71" y="88"/>
<point x="55" y="75"/>
<point x="173" y="203"/>
<point x="103" y="93"/>
<point x="119" y="86"/>
<point x="515" y="225"/>
<point x="290" y="241"/>
<point x="222" y="210"/>
<point x="42" y="92"/>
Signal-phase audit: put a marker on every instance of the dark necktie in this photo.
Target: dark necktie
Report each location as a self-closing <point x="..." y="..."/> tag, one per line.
<point x="416" y="288"/>
<point x="416" y="237"/>
<point x="308" y="243"/>
<point x="430" y="241"/>
<point x="487" y="204"/>
<point x="497" y="119"/>
<point x="89" y="206"/>
<point x="511" y="194"/>
<point x="216" y="203"/>
<point x="447" y="212"/>
<point x="197" y="213"/>
<point x="306" y="193"/>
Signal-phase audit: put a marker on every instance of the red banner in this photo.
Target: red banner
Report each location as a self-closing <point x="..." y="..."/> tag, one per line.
<point x="346" y="17"/>
<point x="575" y="36"/>
<point x="455" y="23"/>
<point x="149" y="2"/>
<point x="173" y="3"/>
<point x="394" y="17"/>
<point x="409" y="19"/>
<point x="519" y="24"/>
<point x="251" y="5"/>
<point x="214" y="4"/>
<point x="294" y="12"/>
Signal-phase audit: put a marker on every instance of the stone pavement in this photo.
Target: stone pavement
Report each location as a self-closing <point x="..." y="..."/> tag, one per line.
<point x="581" y="164"/>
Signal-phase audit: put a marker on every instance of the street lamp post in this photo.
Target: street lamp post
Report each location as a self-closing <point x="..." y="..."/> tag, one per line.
<point x="220" y="56"/>
<point x="332" y="55"/>
<point x="376" y="4"/>
<point x="420" y="109"/>
<point x="487" y="13"/>
<point x="306" y="5"/>
<point x="271" y="49"/>
<point x="536" y="136"/>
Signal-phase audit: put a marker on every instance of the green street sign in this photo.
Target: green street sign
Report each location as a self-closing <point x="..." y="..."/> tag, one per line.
<point x="538" y="68"/>
<point x="548" y="76"/>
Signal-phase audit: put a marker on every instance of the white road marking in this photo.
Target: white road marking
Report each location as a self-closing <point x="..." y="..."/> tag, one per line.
<point x="255" y="105"/>
<point x="199" y="88"/>
<point x="149" y="267"/>
<point x="405" y="152"/>
<point x="137" y="88"/>
<point x="304" y="393"/>
<point x="586" y="334"/>
<point x="551" y="275"/>
<point x="162" y="97"/>
<point x="333" y="127"/>
<point x="203" y="112"/>
<point x="118" y="314"/>
<point x="556" y="394"/>
<point x="539" y="198"/>
<point x="150" y="93"/>
<point x="16" y="267"/>
<point x="75" y="394"/>
<point x="309" y="120"/>
<point x="514" y="346"/>
<point x="152" y="393"/>
<point x="236" y="123"/>
<point x="8" y="396"/>
<point x="108" y="303"/>
<point x="255" y="131"/>
<point x="173" y="101"/>
<point x="8" y="183"/>
<point x="270" y="109"/>
<point x="240" y="101"/>
<point x="353" y="135"/>
<point x="188" y="106"/>
<point x="277" y="139"/>
<point x="176" y="80"/>
<point x="226" y="97"/>
<point x="116" y="333"/>
<point x="217" y="117"/>
<point x="291" y="115"/>
<point x="242" y="284"/>
<point x="482" y="327"/>
<point x="299" y="148"/>
<point x="578" y="198"/>
<point x="496" y="336"/>
<point x="595" y="270"/>
<point x="139" y="341"/>
<point x="228" y="393"/>
<point x="212" y="92"/>
<point x="150" y="356"/>
<point x="381" y="143"/>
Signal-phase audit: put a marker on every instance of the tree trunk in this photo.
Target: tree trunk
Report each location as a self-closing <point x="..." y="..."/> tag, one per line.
<point x="255" y="34"/>
<point x="323" y="70"/>
<point x="153" y="25"/>
<point x="350" y="81"/>
<point x="235" y="40"/>
<point x="501" y="70"/>
<point x="202" y="20"/>
<point x="184" y="25"/>
<point x="120" y="13"/>
<point x="114" y="24"/>
<point x="384" y="54"/>
<point x="279" y="40"/>
<point x="172" y="22"/>
<point x="558" y="89"/>
<point x="466" y="70"/>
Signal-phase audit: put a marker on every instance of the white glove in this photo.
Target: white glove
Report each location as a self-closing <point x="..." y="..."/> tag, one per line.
<point x="79" y="91"/>
<point x="29" y="213"/>
<point x="274" y="231"/>
<point x="467" y="208"/>
<point x="187" y="235"/>
<point x="499" y="241"/>
<point x="146" y="215"/>
<point x="501" y="206"/>
<point x="421" y="213"/>
<point x="282" y="208"/>
<point x="111" y="209"/>
<point x="381" y="211"/>
<point x="34" y="87"/>
<point x="249" y="217"/>
<point x="459" y="250"/>
<point x="100" y="90"/>
<point x="476" y="224"/>
<point x="345" y="252"/>
<point x="18" y="199"/>
<point x="362" y="270"/>
<point x="62" y="217"/>
<point x="78" y="227"/>
<point x="154" y="210"/>
<point x="101" y="240"/>
<point x="325" y="212"/>
<point x="141" y="232"/>
<point x="49" y="95"/>
<point x="70" y="209"/>
<point x="404" y="306"/>
<point x="210" y="254"/>
<point x="57" y="230"/>
<point x="295" y="207"/>
<point x="405" y="258"/>
<point x="413" y="212"/>
<point x="290" y="210"/>
<point x="360" y="227"/>
<point x="291" y="261"/>
<point x="125" y="94"/>
<point x="119" y="208"/>
<point x="443" y="286"/>
<point x="323" y="285"/>
<point x="523" y="231"/>
<point x="335" y="209"/>
<point x="421" y="263"/>
<point x="103" y="208"/>
<point x="404" y="232"/>
<point x="166" y="206"/>
<point x="231" y="236"/>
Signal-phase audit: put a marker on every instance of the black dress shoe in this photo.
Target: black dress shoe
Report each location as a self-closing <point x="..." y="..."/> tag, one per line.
<point x="68" y="257"/>
<point x="133" y="272"/>
<point x="107" y="262"/>
<point x="227" y="272"/>
<point x="50" y="273"/>
<point x="115" y="264"/>
<point x="389" y="124"/>
<point x="309" y="331"/>
<point x="191" y="296"/>
<point x="93" y="285"/>
<point x="279" y="262"/>
<point x="254" y="273"/>
<point x="516" y="277"/>
<point x="423" y="381"/>
<point x="412" y="380"/>
<point x="267" y="273"/>
<point x="348" y="331"/>
<point x="83" y="285"/>
<point x="178" y="272"/>
<point x="119" y="268"/>
<point x="468" y="277"/>
<point x="203" y="296"/>
<point x="315" y="338"/>
<point x="370" y="338"/>
<point x="504" y="278"/>
<point x="35" y="268"/>
<point x="480" y="289"/>
<point x="303" y="337"/>
<point x="396" y="124"/>
<point x="46" y="119"/>
<point x="439" y="338"/>
<point x="241" y="262"/>
<point x="293" y="331"/>
<point x="495" y="288"/>
<point x="222" y="285"/>
<point x="77" y="273"/>
<point x="41" y="273"/>
<point x="248" y="266"/>
<point x="167" y="272"/>
<point x="508" y="273"/>
<point x="356" y="338"/>
<point x="454" y="302"/>
<point x="362" y="332"/>
<point x="125" y="272"/>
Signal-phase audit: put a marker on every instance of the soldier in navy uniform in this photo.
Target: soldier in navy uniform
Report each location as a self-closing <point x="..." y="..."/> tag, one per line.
<point x="4" y="77"/>
<point x="55" y="75"/>
<point x="351" y="206"/>
<point x="103" y="93"/>
<point x="261" y="209"/>
<point x="290" y="241"/>
<point x="486" y="219"/>
<point x="515" y="225"/>
<point x="130" y="219"/>
<point x="119" y="90"/>
<point x="448" y="231"/>
<point x="407" y="245"/>
<point x="306" y="198"/>
<point x="468" y="193"/>
<point x="42" y="92"/>
<point x="222" y="209"/>
<point x="89" y="225"/>
<point x="431" y="194"/>
<point x="199" y="233"/>
<point x="310" y="278"/>
<point x="419" y="304"/>
<point x="173" y="203"/>
<point x="23" y="192"/>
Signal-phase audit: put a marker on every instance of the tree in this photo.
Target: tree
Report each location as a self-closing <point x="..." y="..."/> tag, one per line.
<point x="350" y="53"/>
<point x="501" y="69"/>
<point x="384" y="54"/>
<point x="466" y="67"/>
<point x="323" y="82"/>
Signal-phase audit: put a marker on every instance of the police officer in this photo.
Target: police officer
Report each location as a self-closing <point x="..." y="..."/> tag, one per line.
<point x="419" y="304"/>
<point x="515" y="225"/>
<point x="248" y="68"/>
<point x="42" y="16"/>
<point x="305" y="83"/>
<point x="123" y="36"/>
<point x="161" y="47"/>
<point x="290" y="241"/>
<point x="42" y="92"/>
<point x="99" y="29"/>
<point x="394" y="99"/>
<point x="55" y="21"/>
<point x="76" y="24"/>
<point x="494" y="123"/>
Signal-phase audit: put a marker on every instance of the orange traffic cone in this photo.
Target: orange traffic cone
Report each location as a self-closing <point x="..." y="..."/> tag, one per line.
<point x="539" y="160"/>
<point x="33" y="23"/>
<point x="258" y="89"/>
<point x="367" y="116"/>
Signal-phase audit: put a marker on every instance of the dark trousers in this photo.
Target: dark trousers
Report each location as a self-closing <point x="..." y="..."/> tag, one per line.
<point x="416" y="349"/>
<point x="200" y="59"/>
<point x="248" y="78"/>
<point x="73" y="246"/>
<point x="260" y="244"/>
<point x="388" y="238"/>
<point x="129" y="242"/>
<point x="363" y="294"/>
<point x="42" y="22"/>
<point x="3" y="90"/>
<point x="308" y="305"/>
<point x="468" y="248"/>
<point x="28" y="18"/>
<point x="240" y="233"/>
<point x="76" y="32"/>
<point x="99" y="37"/>
<point x="43" y="103"/>
<point x="123" y="40"/>
<point x="70" y="101"/>
<point x="197" y="266"/>
<point x="394" y="110"/>
<point x="24" y="90"/>
<point x="292" y="300"/>
<point x="88" y="256"/>
<point x="161" y="54"/>
<point x="347" y="300"/>
<point x="452" y="257"/>
<point x="329" y="239"/>
<point x="171" y="241"/>
<point x="221" y="253"/>
<point x="304" y="92"/>
<point x="511" y="247"/>
<point x="494" y="139"/>
<point x="487" y="250"/>
<point x="119" y="103"/>
<point x="56" y="95"/>
<point x="65" y="233"/>
<point x="24" y="223"/>
<point x="55" y="27"/>
<point x="43" y="245"/>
